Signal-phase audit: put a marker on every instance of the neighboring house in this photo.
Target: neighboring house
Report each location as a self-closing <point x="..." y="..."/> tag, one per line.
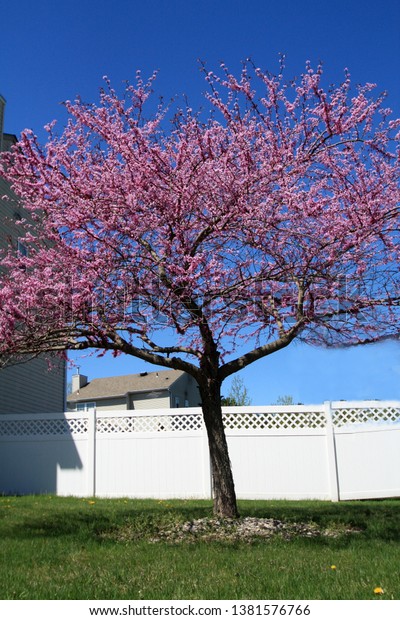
<point x="146" y="390"/>
<point x="28" y="387"/>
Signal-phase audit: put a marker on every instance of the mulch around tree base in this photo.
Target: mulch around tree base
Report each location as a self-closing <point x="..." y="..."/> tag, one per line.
<point x="247" y="529"/>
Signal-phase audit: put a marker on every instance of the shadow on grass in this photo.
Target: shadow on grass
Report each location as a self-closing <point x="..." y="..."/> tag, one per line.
<point x="377" y="519"/>
<point x="97" y="518"/>
<point x="100" y="521"/>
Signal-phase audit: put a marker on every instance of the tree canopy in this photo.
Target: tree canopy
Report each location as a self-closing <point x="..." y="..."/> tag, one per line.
<point x="275" y="218"/>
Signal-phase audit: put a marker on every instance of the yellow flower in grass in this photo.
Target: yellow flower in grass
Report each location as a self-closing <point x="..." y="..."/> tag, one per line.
<point x="378" y="590"/>
<point x="333" y="567"/>
<point x="91" y="502"/>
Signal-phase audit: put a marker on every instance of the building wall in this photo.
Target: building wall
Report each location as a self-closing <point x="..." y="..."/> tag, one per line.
<point x="30" y="387"/>
<point x="10" y="212"/>
<point x="155" y="400"/>
<point x="140" y="400"/>
<point x="186" y="390"/>
<point x="111" y="404"/>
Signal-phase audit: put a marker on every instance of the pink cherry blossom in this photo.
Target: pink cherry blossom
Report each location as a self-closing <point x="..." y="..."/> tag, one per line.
<point x="274" y="219"/>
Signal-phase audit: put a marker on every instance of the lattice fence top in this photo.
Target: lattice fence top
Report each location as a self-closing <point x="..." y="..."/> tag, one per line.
<point x="194" y="422"/>
<point x="43" y="427"/>
<point x="150" y="424"/>
<point x="373" y="414"/>
<point x="245" y="419"/>
<point x="274" y="420"/>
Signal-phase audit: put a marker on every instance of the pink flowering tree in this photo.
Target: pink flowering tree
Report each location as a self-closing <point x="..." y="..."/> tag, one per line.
<point x="207" y="244"/>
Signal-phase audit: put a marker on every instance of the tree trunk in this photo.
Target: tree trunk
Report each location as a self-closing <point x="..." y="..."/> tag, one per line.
<point x="223" y="485"/>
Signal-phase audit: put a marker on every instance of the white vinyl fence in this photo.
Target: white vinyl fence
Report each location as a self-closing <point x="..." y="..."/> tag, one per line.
<point x="339" y="450"/>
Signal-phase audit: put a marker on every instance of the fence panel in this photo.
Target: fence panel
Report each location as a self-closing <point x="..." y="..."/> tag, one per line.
<point x="280" y="466"/>
<point x="156" y="454"/>
<point x="367" y="437"/>
<point x="338" y="450"/>
<point x="44" y="453"/>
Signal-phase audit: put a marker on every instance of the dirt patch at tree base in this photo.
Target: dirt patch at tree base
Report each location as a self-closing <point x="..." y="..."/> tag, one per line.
<point x="247" y="529"/>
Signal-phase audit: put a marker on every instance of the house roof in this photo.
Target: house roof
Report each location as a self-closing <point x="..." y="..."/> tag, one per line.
<point x="111" y="387"/>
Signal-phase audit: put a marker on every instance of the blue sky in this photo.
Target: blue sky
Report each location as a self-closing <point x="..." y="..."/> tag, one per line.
<point x="52" y="50"/>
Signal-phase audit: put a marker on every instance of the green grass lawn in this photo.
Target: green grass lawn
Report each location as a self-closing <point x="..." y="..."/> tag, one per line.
<point x="69" y="548"/>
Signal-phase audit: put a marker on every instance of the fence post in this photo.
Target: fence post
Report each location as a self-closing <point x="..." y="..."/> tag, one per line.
<point x="206" y="465"/>
<point x="91" y="474"/>
<point x="331" y="453"/>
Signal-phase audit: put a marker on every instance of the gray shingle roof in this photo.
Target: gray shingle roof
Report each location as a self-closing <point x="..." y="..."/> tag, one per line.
<point x="109" y="387"/>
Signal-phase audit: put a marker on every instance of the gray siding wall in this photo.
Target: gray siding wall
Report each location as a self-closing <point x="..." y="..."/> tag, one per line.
<point x="138" y="401"/>
<point x="185" y="388"/>
<point x="106" y="404"/>
<point x="10" y="211"/>
<point x="111" y="404"/>
<point x="32" y="388"/>
<point x="156" y="400"/>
